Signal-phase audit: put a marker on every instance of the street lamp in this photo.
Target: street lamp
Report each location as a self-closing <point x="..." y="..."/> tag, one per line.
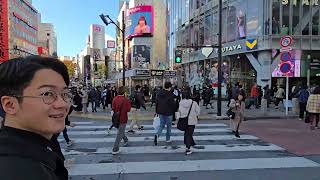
<point x="106" y="22"/>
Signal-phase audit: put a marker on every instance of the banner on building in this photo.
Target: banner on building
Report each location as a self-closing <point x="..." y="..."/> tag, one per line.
<point x="4" y="46"/>
<point x="141" y="55"/>
<point x="140" y="21"/>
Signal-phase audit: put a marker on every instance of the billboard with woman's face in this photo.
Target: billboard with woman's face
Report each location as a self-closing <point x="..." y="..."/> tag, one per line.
<point x="140" y="21"/>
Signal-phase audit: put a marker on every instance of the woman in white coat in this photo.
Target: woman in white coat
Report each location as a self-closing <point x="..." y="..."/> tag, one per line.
<point x="184" y="107"/>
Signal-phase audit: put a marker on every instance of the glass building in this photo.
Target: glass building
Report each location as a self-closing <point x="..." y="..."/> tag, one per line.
<point x="251" y="33"/>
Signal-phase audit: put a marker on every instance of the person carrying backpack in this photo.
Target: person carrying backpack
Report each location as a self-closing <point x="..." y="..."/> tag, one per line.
<point x="303" y="99"/>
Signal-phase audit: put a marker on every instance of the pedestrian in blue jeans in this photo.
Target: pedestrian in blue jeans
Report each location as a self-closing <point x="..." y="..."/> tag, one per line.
<point x="165" y="108"/>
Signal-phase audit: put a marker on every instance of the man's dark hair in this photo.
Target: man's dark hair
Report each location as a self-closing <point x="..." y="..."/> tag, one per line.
<point x="316" y="90"/>
<point x="186" y="94"/>
<point x="121" y="90"/>
<point x="138" y="87"/>
<point x="167" y="85"/>
<point x="17" y="74"/>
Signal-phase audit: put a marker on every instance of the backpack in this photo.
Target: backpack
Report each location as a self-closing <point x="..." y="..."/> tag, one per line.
<point x="303" y="96"/>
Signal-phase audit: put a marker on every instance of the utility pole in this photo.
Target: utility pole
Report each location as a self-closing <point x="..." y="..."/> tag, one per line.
<point x="103" y="18"/>
<point x="219" y="60"/>
<point x="123" y="51"/>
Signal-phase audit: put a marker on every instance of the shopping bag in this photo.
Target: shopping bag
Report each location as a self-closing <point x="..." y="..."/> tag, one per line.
<point x="156" y="122"/>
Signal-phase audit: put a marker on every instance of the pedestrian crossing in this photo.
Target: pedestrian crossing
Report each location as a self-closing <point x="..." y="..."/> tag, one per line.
<point x="217" y="150"/>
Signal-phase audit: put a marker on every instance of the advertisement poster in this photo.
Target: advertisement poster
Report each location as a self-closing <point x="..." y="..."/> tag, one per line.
<point x="4" y="52"/>
<point x="141" y="55"/>
<point x="295" y="63"/>
<point x="140" y="21"/>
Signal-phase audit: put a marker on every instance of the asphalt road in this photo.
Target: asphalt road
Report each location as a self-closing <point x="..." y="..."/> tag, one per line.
<point x="221" y="156"/>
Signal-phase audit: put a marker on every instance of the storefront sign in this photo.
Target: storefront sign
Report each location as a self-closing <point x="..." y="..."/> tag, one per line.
<point x="157" y="72"/>
<point x="142" y="72"/>
<point x="4" y="55"/>
<point x="170" y="73"/>
<point x="252" y="44"/>
<point x="304" y="2"/>
<point x="231" y="48"/>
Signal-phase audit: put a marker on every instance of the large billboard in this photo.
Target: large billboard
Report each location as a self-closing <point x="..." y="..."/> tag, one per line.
<point x="140" y="21"/>
<point x="141" y="55"/>
<point x="4" y="46"/>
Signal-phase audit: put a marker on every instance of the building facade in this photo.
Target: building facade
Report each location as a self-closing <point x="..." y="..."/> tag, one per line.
<point x="251" y="31"/>
<point x="22" y="28"/>
<point x="145" y="47"/>
<point x="47" y="39"/>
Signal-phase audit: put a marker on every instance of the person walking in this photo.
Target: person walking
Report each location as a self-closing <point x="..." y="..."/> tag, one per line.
<point x="303" y="96"/>
<point x="165" y="108"/>
<point x="177" y="98"/>
<point x="255" y="95"/>
<point x="209" y="96"/>
<point x="237" y="106"/>
<point x="313" y="107"/>
<point x="153" y="96"/>
<point x="93" y="96"/>
<point x="85" y="98"/>
<point x="267" y="95"/>
<point x="185" y="105"/>
<point x="121" y="105"/>
<point x="279" y="95"/>
<point x="137" y="103"/>
<point x="196" y="95"/>
<point x="68" y="123"/>
<point x="77" y="101"/>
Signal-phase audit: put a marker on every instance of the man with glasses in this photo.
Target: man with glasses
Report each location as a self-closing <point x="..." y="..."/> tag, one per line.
<point x="35" y="98"/>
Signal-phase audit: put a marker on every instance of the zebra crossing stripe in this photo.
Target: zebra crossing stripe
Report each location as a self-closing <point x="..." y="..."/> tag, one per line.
<point x="149" y="126"/>
<point x="83" y="123"/>
<point x="173" y="138"/>
<point x="190" y="166"/>
<point x="178" y="149"/>
<point x="144" y="131"/>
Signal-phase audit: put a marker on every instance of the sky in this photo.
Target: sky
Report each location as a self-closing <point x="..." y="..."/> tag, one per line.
<point x="72" y="20"/>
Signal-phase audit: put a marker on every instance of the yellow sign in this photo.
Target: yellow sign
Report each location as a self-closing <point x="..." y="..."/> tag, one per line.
<point x="251" y="44"/>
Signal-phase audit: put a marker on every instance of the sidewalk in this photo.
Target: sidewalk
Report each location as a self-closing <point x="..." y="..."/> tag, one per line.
<point x="206" y="114"/>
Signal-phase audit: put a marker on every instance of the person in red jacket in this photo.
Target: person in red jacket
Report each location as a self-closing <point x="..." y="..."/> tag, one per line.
<point x="122" y="105"/>
<point x="255" y="94"/>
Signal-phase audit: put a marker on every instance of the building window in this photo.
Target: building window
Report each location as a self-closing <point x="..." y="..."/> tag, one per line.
<point x="315" y="23"/>
<point x="275" y="16"/>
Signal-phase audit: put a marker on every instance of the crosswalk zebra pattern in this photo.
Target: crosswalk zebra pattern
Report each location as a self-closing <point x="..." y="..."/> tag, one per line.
<point x="218" y="150"/>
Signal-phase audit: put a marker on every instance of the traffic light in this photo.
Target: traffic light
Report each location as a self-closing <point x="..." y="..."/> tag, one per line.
<point x="178" y="56"/>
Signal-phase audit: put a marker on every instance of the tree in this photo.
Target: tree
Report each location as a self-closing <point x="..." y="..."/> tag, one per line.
<point x="101" y="70"/>
<point x="71" y="67"/>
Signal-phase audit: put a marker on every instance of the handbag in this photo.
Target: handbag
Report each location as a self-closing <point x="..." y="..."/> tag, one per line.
<point x="156" y="122"/>
<point x="231" y="114"/>
<point x="183" y="122"/>
<point x="116" y="117"/>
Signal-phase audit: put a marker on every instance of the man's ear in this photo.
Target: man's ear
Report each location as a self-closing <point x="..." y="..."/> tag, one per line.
<point x="10" y="105"/>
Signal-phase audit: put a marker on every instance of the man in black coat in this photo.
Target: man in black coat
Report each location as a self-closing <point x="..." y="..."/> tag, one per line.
<point x="165" y="108"/>
<point x="35" y="107"/>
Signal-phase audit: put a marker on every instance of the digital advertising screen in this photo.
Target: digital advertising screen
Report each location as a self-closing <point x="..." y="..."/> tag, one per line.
<point x="140" y="21"/>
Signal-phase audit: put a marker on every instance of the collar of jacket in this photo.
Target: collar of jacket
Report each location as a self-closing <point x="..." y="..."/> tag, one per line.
<point x="25" y="144"/>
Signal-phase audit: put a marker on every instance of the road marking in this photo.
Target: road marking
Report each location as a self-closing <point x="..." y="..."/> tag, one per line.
<point x="144" y="131"/>
<point x="149" y="126"/>
<point x="83" y="123"/>
<point x="178" y="149"/>
<point x="190" y="166"/>
<point x="173" y="138"/>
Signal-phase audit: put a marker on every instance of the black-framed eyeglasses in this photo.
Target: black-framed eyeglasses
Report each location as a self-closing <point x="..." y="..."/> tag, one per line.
<point x="50" y="97"/>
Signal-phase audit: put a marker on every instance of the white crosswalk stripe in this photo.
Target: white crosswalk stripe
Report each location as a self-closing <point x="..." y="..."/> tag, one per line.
<point x="90" y="141"/>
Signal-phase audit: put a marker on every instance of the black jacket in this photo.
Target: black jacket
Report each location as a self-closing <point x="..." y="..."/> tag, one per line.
<point x="26" y="155"/>
<point x="139" y="100"/>
<point x="165" y="104"/>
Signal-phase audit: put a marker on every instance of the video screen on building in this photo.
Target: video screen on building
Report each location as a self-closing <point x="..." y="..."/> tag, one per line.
<point x="141" y="55"/>
<point x="140" y="21"/>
